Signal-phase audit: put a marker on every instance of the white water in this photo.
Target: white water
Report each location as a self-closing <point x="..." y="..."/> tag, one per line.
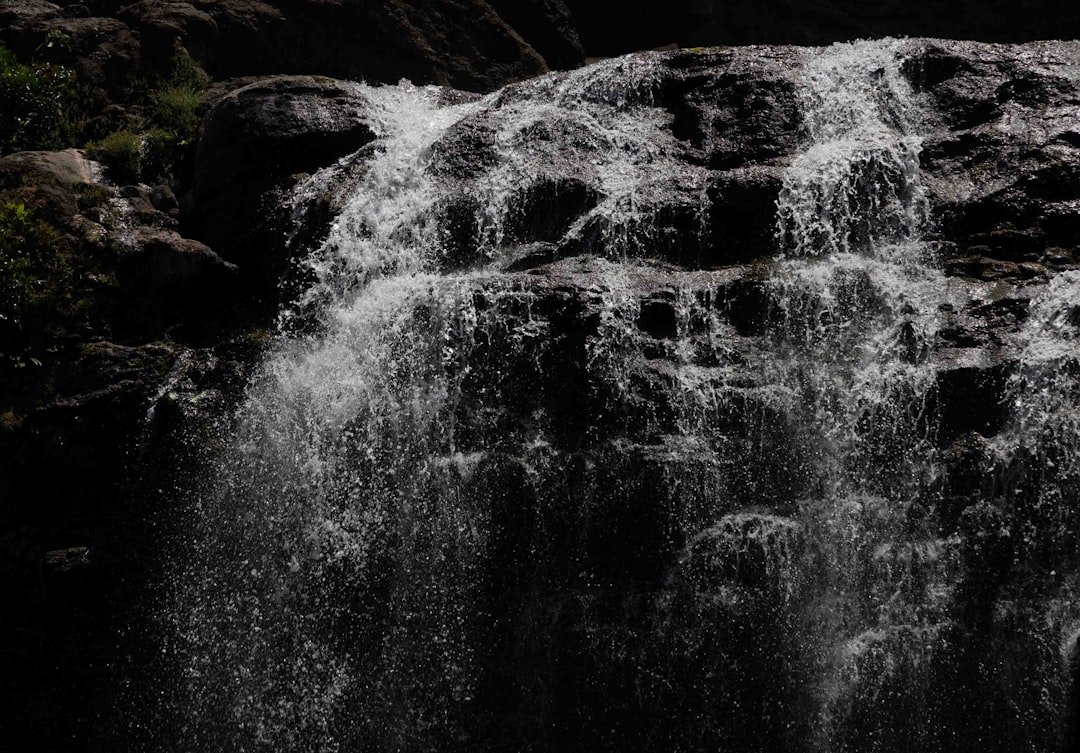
<point x="342" y="587"/>
<point x="855" y="315"/>
<point x="329" y="596"/>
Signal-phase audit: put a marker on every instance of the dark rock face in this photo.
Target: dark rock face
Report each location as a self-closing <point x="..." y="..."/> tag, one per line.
<point x="254" y="140"/>
<point x="461" y="43"/>
<point x="548" y="26"/>
<point x="138" y="304"/>
<point x="608" y="27"/>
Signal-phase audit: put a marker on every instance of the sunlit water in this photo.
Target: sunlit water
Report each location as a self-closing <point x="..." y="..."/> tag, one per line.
<point x="341" y="587"/>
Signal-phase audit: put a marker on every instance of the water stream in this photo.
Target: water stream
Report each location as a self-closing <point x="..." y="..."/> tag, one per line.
<point x="468" y="506"/>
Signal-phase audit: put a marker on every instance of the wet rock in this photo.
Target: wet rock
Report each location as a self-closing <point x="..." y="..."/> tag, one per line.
<point x="970" y="399"/>
<point x="743" y="214"/>
<point x="983" y="268"/>
<point x="164" y="200"/>
<point x="253" y="140"/>
<point x="1001" y="173"/>
<point x="658" y="317"/>
<point x="988" y="548"/>
<point x="467" y="149"/>
<point x="67" y="560"/>
<point x="172" y="263"/>
<point x="968" y="468"/>
<point x="734" y="108"/>
<point x="460" y="231"/>
<point x="1005" y="243"/>
<point x="545" y="210"/>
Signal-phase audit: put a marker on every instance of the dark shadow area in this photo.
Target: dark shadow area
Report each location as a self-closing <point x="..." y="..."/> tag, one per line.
<point x="612" y="27"/>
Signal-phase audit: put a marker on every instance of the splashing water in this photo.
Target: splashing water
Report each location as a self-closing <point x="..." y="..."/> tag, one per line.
<point x="856" y="186"/>
<point x="331" y="593"/>
<point x="854" y="319"/>
<point x="480" y="503"/>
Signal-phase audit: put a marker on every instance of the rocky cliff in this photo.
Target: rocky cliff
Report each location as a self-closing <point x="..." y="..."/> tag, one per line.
<point x="699" y="398"/>
<point x="660" y="471"/>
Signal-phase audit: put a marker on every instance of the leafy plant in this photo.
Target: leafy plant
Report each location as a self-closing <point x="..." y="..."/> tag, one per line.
<point x="174" y="120"/>
<point x="187" y="74"/>
<point x="154" y="144"/>
<point x="122" y="153"/>
<point x="40" y="104"/>
<point x="35" y="275"/>
<point x="175" y="108"/>
<point x="55" y="41"/>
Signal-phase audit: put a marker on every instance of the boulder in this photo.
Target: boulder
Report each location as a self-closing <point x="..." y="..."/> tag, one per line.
<point x="53" y="177"/>
<point x="162" y="25"/>
<point x="169" y="263"/>
<point x="253" y="140"/>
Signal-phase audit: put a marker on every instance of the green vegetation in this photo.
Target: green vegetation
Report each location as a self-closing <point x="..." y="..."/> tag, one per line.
<point x="147" y="138"/>
<point x="175" y="108"/>
<point x="153" y="146"/>
<point x="37" y="278"/>
<point x="91" y="196"/>
<point x="120" y="151"/>
<point x="173" y="120"/>
<point x="41" y="104"/>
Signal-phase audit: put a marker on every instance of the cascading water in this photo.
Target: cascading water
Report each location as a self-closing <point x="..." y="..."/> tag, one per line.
<point x="515" y="475"/>
<point x="855" y="301"/>
<point x="336" y="579"/>
<point x="1033" y="496"/>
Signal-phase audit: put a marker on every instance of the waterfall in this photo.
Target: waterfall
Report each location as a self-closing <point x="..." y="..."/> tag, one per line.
<point x="1038" y="469"/>
<point x="855" y="304"/>
<point x="333" y="592"/>
<point x="515" y="473"/>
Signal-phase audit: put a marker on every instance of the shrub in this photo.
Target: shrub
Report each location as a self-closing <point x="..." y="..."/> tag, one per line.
<point x="155" y="145"/>
<point x="40" y="105"/>
<point x="187" y="74"/>
<point x="163" y="151"/>
<point x="34" y="275"/>
<point x="174" y="108"/>
<point x="121" y="151"/>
